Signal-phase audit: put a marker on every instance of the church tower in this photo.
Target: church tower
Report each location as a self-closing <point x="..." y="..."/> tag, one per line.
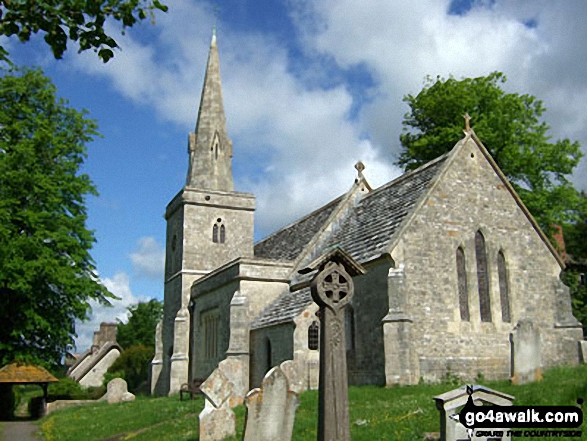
<point x="208" y="224"/>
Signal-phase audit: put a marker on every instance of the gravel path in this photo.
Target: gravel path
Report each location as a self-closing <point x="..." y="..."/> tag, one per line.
<point x="19" y="431"/>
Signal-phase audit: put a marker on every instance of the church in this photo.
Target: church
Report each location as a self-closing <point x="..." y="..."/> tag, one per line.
<point x="454" y="262"/>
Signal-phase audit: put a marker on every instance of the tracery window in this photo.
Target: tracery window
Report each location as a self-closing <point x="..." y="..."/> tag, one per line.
<point x="210" y="322"/>
<point x="482" y="278"/>
<point x="313" y="336"/>
<point x="218" y="232"/>
<point x="462" y="285"/>
<point x="504" y="294"/>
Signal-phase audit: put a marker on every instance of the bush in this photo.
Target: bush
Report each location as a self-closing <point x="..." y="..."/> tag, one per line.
<point x="133" y="366"/>
<point x="65" y="389"/>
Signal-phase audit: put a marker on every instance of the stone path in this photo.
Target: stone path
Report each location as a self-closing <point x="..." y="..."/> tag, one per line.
<point x="19" y="431"/>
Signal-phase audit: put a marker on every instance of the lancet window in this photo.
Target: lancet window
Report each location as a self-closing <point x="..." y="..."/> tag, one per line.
<point x="219" y="232"/>
<point x="482" y="277"/>
<point x="504" y="293"/>
<point x="462" y="285"/>
<point x="313" y="336"/>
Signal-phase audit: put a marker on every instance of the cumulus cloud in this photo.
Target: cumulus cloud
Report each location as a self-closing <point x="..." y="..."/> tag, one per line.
<point x="149" y="259"/>
<point x="298" y="138"/>
<point x="119" y="285"/>
<point x="536" y="43"/>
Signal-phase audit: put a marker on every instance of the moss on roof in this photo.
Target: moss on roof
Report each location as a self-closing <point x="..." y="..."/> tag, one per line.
<point x="25" y="373"/>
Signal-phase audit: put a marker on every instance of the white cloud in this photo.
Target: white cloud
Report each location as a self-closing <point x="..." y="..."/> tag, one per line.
<point x="149" y="259"/>
<point x="301" y="134"/>
<point x="119" y="285"/>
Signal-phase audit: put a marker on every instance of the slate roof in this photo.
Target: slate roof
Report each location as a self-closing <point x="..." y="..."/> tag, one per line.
<point x="23" y="373"/>
<point x="365" y="234"/>
<point x="289" y="242"/>
<point x="284" y="308"/>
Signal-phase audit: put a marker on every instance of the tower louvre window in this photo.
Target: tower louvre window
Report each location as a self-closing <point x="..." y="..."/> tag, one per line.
<point x="462" y="285"/>
<point x="482" y="277"/>
<point x="219" y="232"/>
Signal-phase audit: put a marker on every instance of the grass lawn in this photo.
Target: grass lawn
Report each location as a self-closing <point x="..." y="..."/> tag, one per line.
<point x="375" y="413"/>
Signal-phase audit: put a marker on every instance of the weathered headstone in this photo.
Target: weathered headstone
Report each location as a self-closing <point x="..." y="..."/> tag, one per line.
<point x="583" y="351"/>
<point x="217" y="420"/>
<point x="117" y="392"/>
<point x="332" y="289"/>
<point x="525" y="340"/>
<point x="271" y="409"/>
<point x="450" y="403"/>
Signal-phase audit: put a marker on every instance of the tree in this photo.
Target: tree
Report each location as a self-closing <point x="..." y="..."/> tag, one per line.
<point x="510" y="126"/>
<point x="75" y="20"/>
<point x="140" y="329"/>
<point x="47" y="276"/>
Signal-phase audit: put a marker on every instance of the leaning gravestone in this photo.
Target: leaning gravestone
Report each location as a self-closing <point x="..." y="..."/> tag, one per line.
<point x="332" y="289"/>
<point x="117" y="392"/>
<point x="525" y="340"/>
<point x="271" y="409"/>
<point x="217" y="420"/>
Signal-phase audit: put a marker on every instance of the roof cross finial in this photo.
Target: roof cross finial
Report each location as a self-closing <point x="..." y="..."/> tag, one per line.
<point x="360" y="167"/>
<point x="467" y="124"/>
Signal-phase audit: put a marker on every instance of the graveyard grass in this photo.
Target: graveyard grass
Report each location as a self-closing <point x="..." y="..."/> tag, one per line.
<point x="403" y="413"/>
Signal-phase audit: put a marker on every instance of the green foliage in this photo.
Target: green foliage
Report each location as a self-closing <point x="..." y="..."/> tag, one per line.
<point x="510" y="126"/>
<point x="572" y="278"/>
<point x="140" y="329"/>
<point x="47" y="276"/>
<point x="132" y="365"/>
<point x="75" y="20"/>
<point x="66" y="388"/>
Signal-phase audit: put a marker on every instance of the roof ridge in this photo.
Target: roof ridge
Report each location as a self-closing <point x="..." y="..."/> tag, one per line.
<point x="297" y="221"/>
<point x="409" y="174"/>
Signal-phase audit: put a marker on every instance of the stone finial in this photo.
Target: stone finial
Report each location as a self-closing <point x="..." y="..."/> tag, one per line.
<point x="467" y="122"/>
<point x="360" y="167"/>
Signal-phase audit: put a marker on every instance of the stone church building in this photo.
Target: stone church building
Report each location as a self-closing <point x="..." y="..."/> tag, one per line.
<point x="454" y="263"/>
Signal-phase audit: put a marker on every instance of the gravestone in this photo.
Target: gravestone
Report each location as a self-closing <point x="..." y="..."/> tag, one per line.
<point x="526" y="360"/>
<point x="271" y="409"/>
<point x="117" y="392"/>
<point x="217" y="420"/>
<point x="450" y="404"/>
<point x="583" y="351"/>
<point x="332" y="289"/>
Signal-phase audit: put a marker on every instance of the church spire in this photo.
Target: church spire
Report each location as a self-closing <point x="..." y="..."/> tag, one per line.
<point x="209" y="147"/>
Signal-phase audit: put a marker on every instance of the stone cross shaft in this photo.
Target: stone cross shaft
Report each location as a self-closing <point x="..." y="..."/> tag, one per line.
<point x="332" y="289"/>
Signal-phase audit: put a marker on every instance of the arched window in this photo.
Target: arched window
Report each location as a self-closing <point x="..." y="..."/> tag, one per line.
<point x="349" y="316"/>
<point x="462" y="285"/>
<point x="482" y="277"/>
<point x="504" y="293"/>
<point x="314" y="336"/>
<point x="218" y="232"/>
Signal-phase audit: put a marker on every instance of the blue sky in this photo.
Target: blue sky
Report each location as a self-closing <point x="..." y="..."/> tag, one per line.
<point x="310" y="87"/>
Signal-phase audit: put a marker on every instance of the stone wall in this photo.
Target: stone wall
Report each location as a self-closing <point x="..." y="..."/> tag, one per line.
<point x="95" y="376"/>
<point x="470" y="197"/>
<point x="270" y="347"/>
<point x="257" y="281"/>
<point x="366" y="363"/>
